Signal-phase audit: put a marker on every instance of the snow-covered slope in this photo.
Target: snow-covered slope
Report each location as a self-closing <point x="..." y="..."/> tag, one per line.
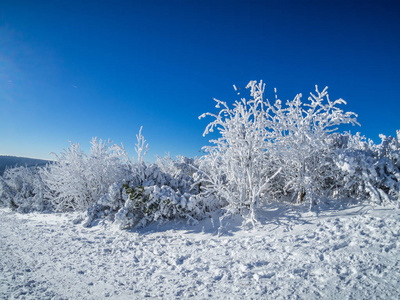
<point x="333" y="254"/>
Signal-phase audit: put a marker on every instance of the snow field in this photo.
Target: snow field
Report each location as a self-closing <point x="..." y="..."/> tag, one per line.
<point x="341" y="254"/>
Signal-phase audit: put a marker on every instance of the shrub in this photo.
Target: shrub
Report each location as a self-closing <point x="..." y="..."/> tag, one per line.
<point x="21" y="188"/>
<point x="75" y="181"/>
<point x="260" y="142"/>
<point x="367" y="171"/>
<point x="152" y="192"/>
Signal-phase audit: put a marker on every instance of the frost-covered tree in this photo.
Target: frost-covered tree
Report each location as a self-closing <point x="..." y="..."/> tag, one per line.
<point x="76" y="180"/>
<point x="21" y="188"/>
<point x="239" y="165"/>
<point x="388" y="166"/>
<point x="365" y="171"/>
<point x="262" y="143"/>
<point x="300" y="133"/>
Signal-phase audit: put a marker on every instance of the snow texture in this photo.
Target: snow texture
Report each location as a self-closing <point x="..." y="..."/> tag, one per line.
<point x="350" y="253"/>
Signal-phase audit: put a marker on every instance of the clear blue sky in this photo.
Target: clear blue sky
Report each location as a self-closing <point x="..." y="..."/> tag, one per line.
<point x="71" y="70"/>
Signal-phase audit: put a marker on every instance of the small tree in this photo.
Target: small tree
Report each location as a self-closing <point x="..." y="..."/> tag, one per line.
<point x="237" y="168"/>
<point x="300" y="133"/>
<point x="261" y="142"/>
<point x="77" y="180"/>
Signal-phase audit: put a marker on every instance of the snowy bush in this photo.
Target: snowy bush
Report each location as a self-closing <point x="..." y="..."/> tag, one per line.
<point x="21" y="188"/>
<point x="153" y="203"/>
<point x="301" y="131"/>
<point x="168" y="191"/>
<point x="261" y="143"/>
<point x="107" y="205"/>
<point x="237" y="169"/>
<point x="388" y="166"/>
<point x="367" y="171"/>
<point x="152" y="192"/>
<point x="76" y="180"/>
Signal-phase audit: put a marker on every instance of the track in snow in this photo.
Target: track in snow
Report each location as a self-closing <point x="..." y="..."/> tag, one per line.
<point x="351" y="253"/>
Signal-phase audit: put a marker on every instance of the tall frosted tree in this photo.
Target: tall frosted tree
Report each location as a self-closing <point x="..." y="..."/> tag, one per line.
<point x="261" y="142"/>
<point x="239" y="166"/>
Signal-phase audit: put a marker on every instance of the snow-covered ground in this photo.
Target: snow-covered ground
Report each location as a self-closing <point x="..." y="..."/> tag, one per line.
<point x="349" y="253"/>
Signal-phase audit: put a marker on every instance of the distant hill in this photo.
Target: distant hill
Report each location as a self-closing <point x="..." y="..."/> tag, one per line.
<point x="12" y="161"/>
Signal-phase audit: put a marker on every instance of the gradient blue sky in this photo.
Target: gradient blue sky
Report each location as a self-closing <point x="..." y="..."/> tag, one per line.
<point x="71" y="70"/>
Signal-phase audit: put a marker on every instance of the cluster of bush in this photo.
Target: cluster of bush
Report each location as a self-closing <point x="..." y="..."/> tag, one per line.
<point x="266" y="151"/>
<point x="106" y="184"/>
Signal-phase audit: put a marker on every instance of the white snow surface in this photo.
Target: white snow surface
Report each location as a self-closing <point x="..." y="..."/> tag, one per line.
<point x="293" y="253"/>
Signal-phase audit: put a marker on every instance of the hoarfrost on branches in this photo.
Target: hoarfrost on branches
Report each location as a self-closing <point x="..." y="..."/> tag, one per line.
<point x="300" y="133"/>
<point x="21" y="188"/>
<point x="266" y="151"/>
<point x="239" y="165"/>
<point x="261" y="142"/>
<point x="76" y="180"/>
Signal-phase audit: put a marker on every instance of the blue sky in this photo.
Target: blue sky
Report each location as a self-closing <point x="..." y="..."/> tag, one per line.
<point x="71" y="70"/>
